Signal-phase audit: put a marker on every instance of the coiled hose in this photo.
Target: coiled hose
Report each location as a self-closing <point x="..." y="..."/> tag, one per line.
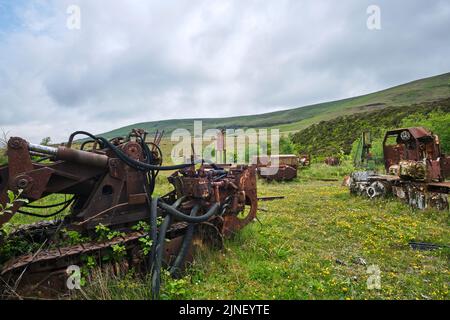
<point x="172" y="212"/>
<point x="159" y="249"/>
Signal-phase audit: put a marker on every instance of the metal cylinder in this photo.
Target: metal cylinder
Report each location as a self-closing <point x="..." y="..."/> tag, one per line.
<point x="51" y="151"/>
<point x="82" y="157"/>
<point x="72" y="155"/>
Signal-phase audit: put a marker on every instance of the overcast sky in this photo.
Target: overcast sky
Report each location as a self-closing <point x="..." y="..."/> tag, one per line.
<point x="134" y="61"/>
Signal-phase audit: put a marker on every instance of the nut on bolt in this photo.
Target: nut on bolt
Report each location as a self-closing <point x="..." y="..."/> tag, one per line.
<point x="15" y="143"/>
<point x="22" y="183"/>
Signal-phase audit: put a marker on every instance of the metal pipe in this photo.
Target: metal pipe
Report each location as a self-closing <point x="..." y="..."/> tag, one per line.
<point x="72" y="155"/>
<point x="51" y="151"/>
<point x="82" y="157"/>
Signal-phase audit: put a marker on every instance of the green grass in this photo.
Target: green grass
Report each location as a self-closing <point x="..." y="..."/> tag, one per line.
<point x="295" y="119"/>
<point x="309" y="246"/>
<point x="321" y="171"/>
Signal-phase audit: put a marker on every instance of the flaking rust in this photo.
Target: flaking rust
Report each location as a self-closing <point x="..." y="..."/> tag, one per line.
<point x="109" y="183"/>
<point x="416" y="170"/>
<point x="278" y="167"/>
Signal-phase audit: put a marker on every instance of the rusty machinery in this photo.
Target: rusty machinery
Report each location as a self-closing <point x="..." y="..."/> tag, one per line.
<point x="111" y="185"/>
<point x="332" y="161"/>
<point x="304" y="160"/>
<point x="285" y="170"/>
<point x="416" y="170"/>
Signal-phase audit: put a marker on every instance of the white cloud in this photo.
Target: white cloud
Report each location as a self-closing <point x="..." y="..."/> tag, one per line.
<point x="139" y="61"/>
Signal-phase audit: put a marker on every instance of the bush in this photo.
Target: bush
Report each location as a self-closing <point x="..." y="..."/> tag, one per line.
<point x="328" y="138"/>
<point x="438" y="122"/>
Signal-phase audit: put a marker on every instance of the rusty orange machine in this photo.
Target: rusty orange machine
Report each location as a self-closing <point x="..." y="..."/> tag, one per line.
<point x="107" y="185"/>
<point x="277" y="167"/>
<point x="416" y="170"/>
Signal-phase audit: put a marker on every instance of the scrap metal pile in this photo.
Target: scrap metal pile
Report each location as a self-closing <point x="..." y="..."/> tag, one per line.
<point x="112" y="220"/>
<point x="415" y="167"/>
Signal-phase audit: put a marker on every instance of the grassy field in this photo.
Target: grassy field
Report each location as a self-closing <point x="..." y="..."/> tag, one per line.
<point x="298" y="118"/>
<point x="317" y="243"/>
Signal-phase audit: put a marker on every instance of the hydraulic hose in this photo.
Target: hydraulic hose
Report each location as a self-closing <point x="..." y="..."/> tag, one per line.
<point x="159" y="238"/>
<point x="180" y="215"/>
<point x="156" y="268"/>
<point x="142" y="166"/>
<point x="156" y="275"/>
<point x="153" y="227"/>
<point x="187" y="240"/>
<point x="66" y="205"/>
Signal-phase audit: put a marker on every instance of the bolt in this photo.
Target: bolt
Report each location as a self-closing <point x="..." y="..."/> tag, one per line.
<point x="14" y="143"/>
<point x="22" y="183"/>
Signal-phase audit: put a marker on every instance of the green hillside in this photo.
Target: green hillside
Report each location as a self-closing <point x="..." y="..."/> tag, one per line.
<point x="416" y="92"/>
<point x="330" y="138"/>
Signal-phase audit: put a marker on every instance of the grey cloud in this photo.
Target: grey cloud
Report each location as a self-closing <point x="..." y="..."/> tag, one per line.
<point x="141" y="61"/>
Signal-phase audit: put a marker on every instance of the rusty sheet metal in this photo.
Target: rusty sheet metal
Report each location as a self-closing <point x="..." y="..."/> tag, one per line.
<point x="413" y="145"/>
<point x="277" y="167"/>
<point x="282" y="173"/>
<point x="235" y="188"/>
<point x="445" y="166"/>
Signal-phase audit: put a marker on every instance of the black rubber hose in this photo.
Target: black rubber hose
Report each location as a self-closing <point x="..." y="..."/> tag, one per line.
<point x="156" y="267"/>
<point x="180" y="215"/>
<point x="86" y="142"/>
<point x="150" y="175"/>
<point x="212" y="164"/>
<point x="46" y="215"/>
<point x="142" y="166"/>
<point x="187" y="240"/>
<point x="153" y="227"/>
<point x="72" y="136"/>
<point x="48" y="206"/>
<point x="156" y="275"/>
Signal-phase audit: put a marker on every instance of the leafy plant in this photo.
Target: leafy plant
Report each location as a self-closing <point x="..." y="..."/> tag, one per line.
<point x="173" y="288"/>
<point x="146" y="244"/>
<point x="74" y="237"/>
<point x="13" y="198"/>
<point x="119" y="251"/>
<point x="101" y="231"/>
<point x="142" y="226"/>
<point x="104" y="233"/>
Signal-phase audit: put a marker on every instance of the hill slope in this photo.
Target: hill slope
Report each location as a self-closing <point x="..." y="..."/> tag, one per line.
<point x="329" y="138"/>
<point x="419" y="91"/>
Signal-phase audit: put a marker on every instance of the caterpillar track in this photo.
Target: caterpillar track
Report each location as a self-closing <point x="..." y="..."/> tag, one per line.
<point x="111" y="184"/>
<point x="44" y="273"/>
